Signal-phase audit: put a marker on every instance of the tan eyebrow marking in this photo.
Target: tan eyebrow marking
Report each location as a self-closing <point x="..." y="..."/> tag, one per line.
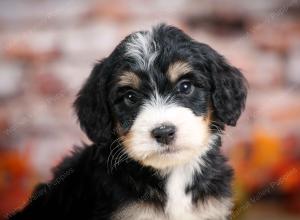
<point x="178" y="69"/>
<point x="129" y="79"/>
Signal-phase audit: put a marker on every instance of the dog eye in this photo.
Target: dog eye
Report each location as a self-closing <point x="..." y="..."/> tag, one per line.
<point x="130" y="98"/>
<point x="185" y="87"/>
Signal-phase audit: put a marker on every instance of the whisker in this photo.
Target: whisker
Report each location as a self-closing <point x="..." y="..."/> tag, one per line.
<point x="111" y="160"/>
<point x="116" y="155"/>
<point x="217" y="128"/>
<point x="120" y="159"/>
<point x="113" y="151"/>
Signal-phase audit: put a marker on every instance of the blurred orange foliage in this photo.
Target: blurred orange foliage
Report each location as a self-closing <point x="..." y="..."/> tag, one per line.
<point x="15" y="178"/>
<point x="269" y="163"/>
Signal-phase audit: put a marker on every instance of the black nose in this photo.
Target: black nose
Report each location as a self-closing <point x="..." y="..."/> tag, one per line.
<point x="164" y="134"/>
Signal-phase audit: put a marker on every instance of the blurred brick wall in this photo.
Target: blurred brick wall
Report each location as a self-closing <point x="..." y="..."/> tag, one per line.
<point x="49" y="47"/>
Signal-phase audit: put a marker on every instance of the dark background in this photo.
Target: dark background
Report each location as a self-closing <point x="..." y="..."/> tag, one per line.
<point x="48" y="47"/>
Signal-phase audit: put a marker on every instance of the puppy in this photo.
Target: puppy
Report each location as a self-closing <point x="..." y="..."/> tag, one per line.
<point x="154" y="109"/>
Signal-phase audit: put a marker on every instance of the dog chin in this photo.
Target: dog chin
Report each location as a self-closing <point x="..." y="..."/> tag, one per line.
<point x="169" y="158"/>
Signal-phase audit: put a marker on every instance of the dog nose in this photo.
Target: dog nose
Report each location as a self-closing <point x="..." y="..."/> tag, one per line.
<point x="164" y="134"/>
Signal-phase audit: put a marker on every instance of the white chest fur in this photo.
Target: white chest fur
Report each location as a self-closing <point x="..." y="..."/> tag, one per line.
<point x="179" y="204"/>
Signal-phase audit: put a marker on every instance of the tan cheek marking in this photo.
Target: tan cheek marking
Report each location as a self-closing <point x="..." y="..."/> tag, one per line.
<point x="127" y="143"/>
<point x="206" y="120"/>
<point x="178" y="69"/>
<point x="129" y="79"/>
<point x="127" y="137"/>
<point x="209" y="116"/>
<point x="127" y="140"/>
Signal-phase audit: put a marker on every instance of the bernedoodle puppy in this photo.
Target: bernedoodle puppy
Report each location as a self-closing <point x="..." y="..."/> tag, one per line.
<point x="154" y="109"/>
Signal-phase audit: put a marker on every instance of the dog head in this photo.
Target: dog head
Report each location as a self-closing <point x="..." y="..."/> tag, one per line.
<point x="160" y="92"/>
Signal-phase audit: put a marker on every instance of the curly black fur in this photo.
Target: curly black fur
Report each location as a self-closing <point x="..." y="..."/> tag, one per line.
<point x="86" y="186"/>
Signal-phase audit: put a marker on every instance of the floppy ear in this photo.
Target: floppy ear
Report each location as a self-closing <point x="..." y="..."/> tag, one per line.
<point x="230" y="91"/>
<point x="91" y="106"/>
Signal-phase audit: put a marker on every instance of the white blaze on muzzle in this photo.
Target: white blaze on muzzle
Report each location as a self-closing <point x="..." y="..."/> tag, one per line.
<point x="191" y="137"/>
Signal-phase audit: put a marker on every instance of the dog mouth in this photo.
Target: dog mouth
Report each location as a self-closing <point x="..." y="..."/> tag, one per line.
<point x="166" y="151"/>
<point x="170" y="150"/>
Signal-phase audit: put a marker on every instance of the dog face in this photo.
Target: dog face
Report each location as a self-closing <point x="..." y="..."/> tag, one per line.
<point x="162" y="114"/>
<point x="163" y="95"/>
